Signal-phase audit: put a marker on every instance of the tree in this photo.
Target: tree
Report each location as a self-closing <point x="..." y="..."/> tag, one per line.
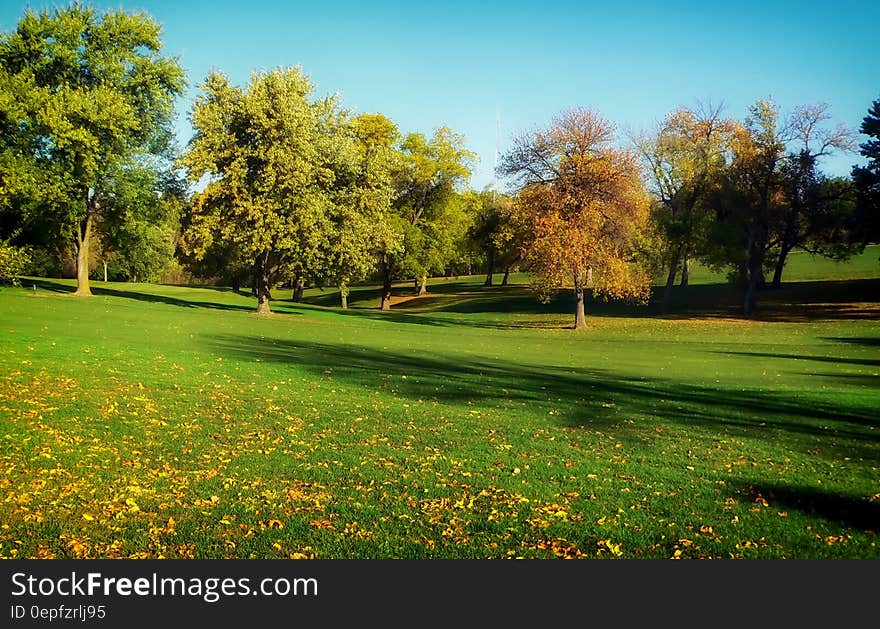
<point x="804" y="214"/>
<point x="867" y="178"/>
<point x="83" y="95"/>
<point x="584" y="205"/>
<point x="772" y="198"/>
<point x="485" y="224"/>
<point x="428" y="210"/>
<point x="490" y="235"/>
<point x="361" y="227"/>
<point x="749" y="199"/>
<point x="275" y="162"/>
<point x="140" y="224"/>
<point x="683" y="159"/>
<point x="13" y="262"/>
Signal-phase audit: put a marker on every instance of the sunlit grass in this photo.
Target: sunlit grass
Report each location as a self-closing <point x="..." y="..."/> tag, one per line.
<point x="160" y="421"/>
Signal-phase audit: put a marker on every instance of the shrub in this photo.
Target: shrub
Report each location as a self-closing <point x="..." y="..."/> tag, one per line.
<point x="13" y="262"/>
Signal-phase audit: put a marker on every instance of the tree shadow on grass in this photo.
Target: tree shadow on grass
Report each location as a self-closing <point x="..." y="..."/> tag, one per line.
<point x="851" y="379"/>
<point x="140" y="296"/>
<point x="852" y="512"/>
<point x="855" y="340"/>
<point x="427" y="319"/>
<point x="48" y="285"/>
<point x="795" y="302"/>
<point x="828" y="300"/>
<point x="802" y="301"/>
<point x="821" y="359"/>
<point x="575" y="398"/>
<point x="502" y="307"/>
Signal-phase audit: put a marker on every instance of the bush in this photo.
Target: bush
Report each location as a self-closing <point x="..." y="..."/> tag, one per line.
<point x="13" y="262"/>
<point x="43" y="263"/>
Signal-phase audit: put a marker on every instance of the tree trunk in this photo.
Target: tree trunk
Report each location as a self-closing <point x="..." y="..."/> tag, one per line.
<point x="386" y="283"/>
<point x="670" y="281"/>
<point x="423" y="285"/>
<point x="236" y="283"/>
<point x="580" y="320"/>
<point x="742" y="275"/>
<point x="750" y="277"/>
<point x="761" y="282"/>
<point x="506" y="276"/>
<point x="83" y="236"/>
<point x="749" y="301"/>
<point x="263" y="295"/>
<point x="104" y="262"/>
<point x="685" y="269"/>
<point x="589" y="280"/>
<point x="780" y="265"/>
<point x="343" y="295"/>
<point x="491" y="271"/>
<point x="299" y="285"/>
<point x="756" y="281"/>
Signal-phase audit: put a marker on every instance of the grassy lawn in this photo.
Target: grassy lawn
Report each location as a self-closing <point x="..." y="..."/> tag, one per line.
<point x="164" y="421"/>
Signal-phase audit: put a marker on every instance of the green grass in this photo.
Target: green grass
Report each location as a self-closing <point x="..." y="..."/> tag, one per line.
<point x="163" y="421"/>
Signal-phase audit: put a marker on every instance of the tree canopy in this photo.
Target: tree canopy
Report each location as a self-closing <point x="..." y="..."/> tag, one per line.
<point x="584" y="207"/>
<point x="83" y="95"/>
<point x="867" y="178"/>
<point x="683" y="159"/>
<point x="288" y="187"/>
<point x="426" y="200"/>
<point x="276" y="162"/>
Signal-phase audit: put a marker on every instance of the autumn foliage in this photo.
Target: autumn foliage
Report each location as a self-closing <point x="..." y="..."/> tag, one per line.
<point x="583" y="206"/>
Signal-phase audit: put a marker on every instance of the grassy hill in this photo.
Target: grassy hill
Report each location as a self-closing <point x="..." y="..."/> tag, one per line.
<point x="167" y="421"/>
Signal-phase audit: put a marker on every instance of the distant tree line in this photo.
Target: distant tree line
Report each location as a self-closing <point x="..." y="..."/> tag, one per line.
<point x="280" y="187"/>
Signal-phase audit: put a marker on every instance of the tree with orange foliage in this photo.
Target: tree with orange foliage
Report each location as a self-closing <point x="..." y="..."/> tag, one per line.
<point x="583" y="206"/>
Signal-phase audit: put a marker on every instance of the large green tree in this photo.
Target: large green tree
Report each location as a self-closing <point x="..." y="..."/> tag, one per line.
<point x="867" y="178"/>
<point x="491" y="237"/>
<point x="811" y="206"/>
<point x="276" y="162"/>
<point x="772" y="198"/>
<point x="140" y="225"/>
<point x="748" y="201"/>
<point x="683" y="159"/>
<point x="83" y="94"/>
<point x="429" y="212"/>
<point x="362" y="229"/>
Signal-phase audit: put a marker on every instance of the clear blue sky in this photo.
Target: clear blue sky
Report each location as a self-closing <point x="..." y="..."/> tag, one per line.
<point x="463" y="63"/>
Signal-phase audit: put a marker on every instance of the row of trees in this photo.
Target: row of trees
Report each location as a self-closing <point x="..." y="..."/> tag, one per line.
<point x="291" y="188"/>
<point x="297" y="189"/>
<point x="743" y="195"/>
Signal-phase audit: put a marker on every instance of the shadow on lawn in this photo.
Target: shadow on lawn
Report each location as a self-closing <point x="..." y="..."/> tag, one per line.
<point x="794" y="302"/>
<point x="591" y="398"/>
<point x="857" y="513"/>
<point x="856" y="340"/>
<point x="821" y="359"/>
<point x="801" y="301"/>
<point x="140" y="296"/>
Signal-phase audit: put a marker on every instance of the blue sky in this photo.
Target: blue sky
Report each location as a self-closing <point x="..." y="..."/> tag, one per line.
<point x="469" y="64"/>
